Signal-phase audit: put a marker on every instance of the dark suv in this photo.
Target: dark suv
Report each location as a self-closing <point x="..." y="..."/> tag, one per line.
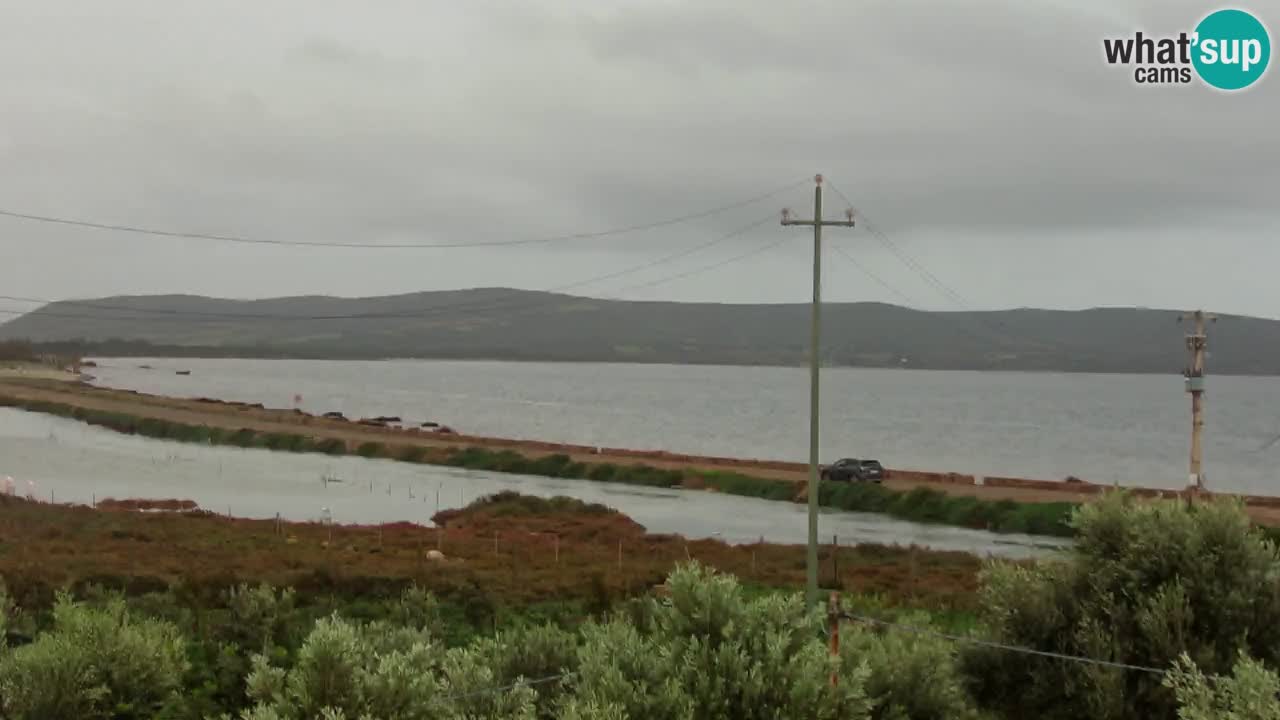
<point x="852" y="469"/>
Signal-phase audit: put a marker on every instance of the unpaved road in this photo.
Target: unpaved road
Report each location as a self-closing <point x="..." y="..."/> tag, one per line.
<point x="236" y="416"/>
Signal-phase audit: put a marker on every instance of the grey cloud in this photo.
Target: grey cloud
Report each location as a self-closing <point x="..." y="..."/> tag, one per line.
<point x="984" y="137"/>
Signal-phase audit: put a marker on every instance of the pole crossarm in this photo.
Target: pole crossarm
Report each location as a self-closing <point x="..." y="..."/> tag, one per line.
<point x="824" y="223"/>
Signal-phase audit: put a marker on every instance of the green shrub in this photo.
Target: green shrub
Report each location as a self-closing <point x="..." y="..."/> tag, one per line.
<point x="412" y="453"/>
<point x="604" y="472"/>
<point x="1145" y="582"/>
<point x="331" y="446"/>
<point x="912" y="676"/>
<point x="1251" y="692"/>
<point x="550" y="465"/>
<point x="746" y="485"/>
<point x="93" y="663"/>
<point x="284" y="441"/>
<point x="371" y="449"/>
<point x="244" y="437"/>
<point x="648" y="475"/>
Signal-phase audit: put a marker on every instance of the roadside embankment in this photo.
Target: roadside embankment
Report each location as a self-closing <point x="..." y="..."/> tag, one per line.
<point x="999" y="504"/>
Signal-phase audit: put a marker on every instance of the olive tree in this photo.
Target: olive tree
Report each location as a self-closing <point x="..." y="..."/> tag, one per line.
<point x="709" y="652"/>
<point x="94" y="662"/>
<point x="911" y="675"/>
<point x="350" y="671"/>
<point x="1145" y="583"/>
<point x="1251" y="692"/>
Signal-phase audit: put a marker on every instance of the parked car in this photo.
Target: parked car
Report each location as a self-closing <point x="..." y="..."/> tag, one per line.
<point x="853" y="469"/>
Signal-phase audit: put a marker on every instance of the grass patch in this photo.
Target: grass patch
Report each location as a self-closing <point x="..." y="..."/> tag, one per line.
<point x="934" y="506"/>
<point x="371" y="449"/>
<point x="738" y="484"/>
<point x="290" y="442"/>
<point x="412" y="453"/>
<point x="331" y="446"/>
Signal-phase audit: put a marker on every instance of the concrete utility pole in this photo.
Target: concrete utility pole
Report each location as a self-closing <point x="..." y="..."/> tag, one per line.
<point x="1196" y="342"/>
<point x="815" y="329"/>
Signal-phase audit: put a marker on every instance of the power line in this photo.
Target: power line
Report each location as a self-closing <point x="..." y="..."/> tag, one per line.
<point x="998" y="327"/>
<point x="705" y="268"/>
<point x="1001" y="646"/>
<point x="390" y="246"/>
<point x="903" y="256"/>
<point x="425" y="312"/>
<point x="874" y="277"/>
<point x="505" y="688"/>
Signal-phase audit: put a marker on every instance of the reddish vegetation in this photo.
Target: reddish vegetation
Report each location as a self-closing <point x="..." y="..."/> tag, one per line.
<point x="134" y="504"/>
<point x="513" y="556"/>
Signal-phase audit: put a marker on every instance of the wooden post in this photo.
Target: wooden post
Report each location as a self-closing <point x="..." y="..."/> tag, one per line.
<point x="833" y="626"/>
<point x="439" y="538"/>
<point x="557" y="540"/>
<point x="495" y="542"/>
<point x="835" y="561"/>
<point x="619" y="553"/>
<point x="913" y="571"/>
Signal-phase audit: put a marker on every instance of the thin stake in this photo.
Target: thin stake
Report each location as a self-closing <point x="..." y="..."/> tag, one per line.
<point x="835" y="560"/>
<point x="833" y="623"/>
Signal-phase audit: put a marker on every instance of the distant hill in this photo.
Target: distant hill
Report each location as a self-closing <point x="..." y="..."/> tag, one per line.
<point x="524" y="325"/>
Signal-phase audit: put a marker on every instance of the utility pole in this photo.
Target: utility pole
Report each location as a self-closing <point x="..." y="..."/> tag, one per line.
<point x="815" y="329"/>
<point x="1194" y="372"/>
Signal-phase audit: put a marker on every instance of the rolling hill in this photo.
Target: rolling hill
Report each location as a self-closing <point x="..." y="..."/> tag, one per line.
<point x="527" y="325"/>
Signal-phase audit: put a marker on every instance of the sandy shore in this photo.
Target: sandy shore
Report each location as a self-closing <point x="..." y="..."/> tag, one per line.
<point x="54" y="387"/>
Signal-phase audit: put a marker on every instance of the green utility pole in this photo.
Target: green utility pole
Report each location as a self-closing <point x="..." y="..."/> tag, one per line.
<point x="815" y="329"/>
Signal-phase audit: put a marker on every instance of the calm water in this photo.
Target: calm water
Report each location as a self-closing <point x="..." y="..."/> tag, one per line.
<point x="1130" y="429"/>
<point x="68" y="461"/>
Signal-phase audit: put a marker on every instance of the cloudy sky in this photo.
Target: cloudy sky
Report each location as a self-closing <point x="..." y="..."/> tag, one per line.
<point x="987" y="140"/>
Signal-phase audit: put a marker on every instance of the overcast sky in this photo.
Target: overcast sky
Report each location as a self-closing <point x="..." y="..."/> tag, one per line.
<point x="988" y="140"/>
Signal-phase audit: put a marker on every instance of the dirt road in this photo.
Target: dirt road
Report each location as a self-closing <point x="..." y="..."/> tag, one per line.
<point x="234" y="416"/>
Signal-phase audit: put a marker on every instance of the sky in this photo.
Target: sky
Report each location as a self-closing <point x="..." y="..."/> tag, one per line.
<point x="988" y="142"/>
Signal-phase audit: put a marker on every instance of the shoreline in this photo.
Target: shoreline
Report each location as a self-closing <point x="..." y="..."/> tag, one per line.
<point x="254" y="425"/>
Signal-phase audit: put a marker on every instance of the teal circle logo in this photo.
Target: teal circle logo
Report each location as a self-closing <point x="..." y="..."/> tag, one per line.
<point x="1232" y="49"/>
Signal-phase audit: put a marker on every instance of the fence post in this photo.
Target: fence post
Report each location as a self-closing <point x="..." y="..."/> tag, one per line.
<point x="619" y="553"/>
<point x="835" y="561"/>
<point x="439" y="538"/>
<point x="913" y="571"/>
<point x="833" y="627"/>
<point x="557" y="539"/>
<point x="495" y="542"/>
